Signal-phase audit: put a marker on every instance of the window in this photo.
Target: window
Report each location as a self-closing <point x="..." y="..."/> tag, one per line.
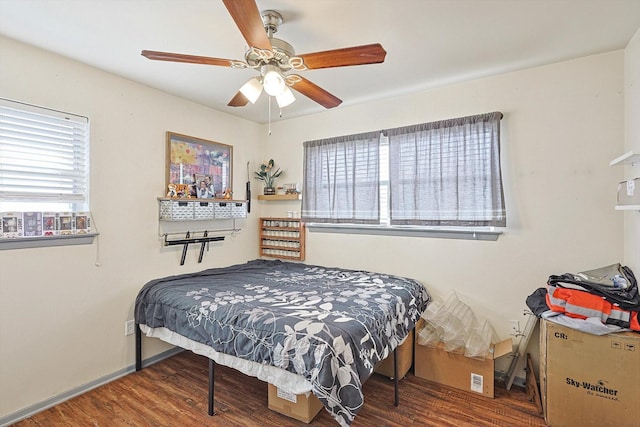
<point x="44" y="177"/>
<point x="44" y="159"/>
<point x="342" y="180"/>
<point x="444" y="173"/>
<point x="447" y="173"/>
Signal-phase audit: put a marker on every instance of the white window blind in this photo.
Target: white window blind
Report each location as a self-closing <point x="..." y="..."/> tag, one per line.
<point x="44" y="156"/>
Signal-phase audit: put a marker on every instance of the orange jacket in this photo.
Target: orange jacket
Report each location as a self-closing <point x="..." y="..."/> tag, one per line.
<point x="581" y="305"/>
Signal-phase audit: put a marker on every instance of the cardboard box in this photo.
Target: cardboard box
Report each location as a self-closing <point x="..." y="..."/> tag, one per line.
<point x="455" y="370"/>
<point x="66" y="224"/>
<point x="50" y="224"/>
<point x="301" y="407"/>
<point x="405" y="359"/>
<point x="589" y="380"/>
<point x="32" y="224"/>
<point x="11" y="225"/>
<point x="82" y="222"/>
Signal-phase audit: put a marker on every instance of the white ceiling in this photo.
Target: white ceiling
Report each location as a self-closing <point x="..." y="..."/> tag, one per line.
<point x="429" y="43"/>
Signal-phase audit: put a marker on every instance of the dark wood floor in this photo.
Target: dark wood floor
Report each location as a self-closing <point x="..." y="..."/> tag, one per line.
<point x="173" y="392"/>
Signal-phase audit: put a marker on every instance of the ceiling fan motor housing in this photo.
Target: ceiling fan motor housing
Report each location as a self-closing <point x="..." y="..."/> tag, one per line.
<point x="279" y="55"/>
<point x="271" y="20"/>
<point x="281" y="51"/>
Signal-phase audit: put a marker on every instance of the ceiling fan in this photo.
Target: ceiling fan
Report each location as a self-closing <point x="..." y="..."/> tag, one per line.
<point x="274" y="58"/>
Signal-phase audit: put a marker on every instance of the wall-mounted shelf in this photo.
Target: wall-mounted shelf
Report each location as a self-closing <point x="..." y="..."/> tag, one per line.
<point x="629" y="158"/>
<point x="628" y="207"/>
<point x="280" y="197"/>
<point x="628" y="190"/>
<point x="282" y="238"/>
<point x="46" y="241"/>
<point x="200" y="209"/>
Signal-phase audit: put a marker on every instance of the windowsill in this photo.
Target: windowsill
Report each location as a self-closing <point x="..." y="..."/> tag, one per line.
<point x="47" y="241"/>
<point x="406" y="231"/>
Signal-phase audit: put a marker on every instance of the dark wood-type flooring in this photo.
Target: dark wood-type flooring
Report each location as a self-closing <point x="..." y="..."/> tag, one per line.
<point x="173" y="392"/>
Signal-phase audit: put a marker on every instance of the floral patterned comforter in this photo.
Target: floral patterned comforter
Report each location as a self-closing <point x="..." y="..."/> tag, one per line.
<point x="329" y="325"/>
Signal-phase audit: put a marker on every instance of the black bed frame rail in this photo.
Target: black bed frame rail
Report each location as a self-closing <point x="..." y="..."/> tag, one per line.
<point x="212" y="366"/>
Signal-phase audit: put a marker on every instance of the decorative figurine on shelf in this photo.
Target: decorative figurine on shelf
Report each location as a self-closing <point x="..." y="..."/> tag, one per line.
<point x="227" y="193"/>
<point x="183" y="191"/>
<point x="291" y="189"/>
<point x="172" y="191"/>
<point x="268" y="173"/>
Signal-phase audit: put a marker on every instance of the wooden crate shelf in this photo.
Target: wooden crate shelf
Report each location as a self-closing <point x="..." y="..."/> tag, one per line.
<point x="282" y="238"/>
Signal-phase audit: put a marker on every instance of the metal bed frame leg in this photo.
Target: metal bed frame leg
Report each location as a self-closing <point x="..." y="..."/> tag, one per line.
<point x="212" y="366"/>
<point x="138" y="348"/>
<point x="396" y="401"/>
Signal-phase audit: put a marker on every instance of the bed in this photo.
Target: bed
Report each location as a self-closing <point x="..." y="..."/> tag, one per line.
<point x="303" y="328"/>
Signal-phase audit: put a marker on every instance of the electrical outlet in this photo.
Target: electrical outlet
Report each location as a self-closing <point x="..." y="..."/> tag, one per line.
<point x="515" y="326"/>
<point x="129" y="327"/>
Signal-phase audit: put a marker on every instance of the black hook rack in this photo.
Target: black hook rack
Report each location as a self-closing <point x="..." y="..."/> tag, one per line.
<point x="204" y="239"/>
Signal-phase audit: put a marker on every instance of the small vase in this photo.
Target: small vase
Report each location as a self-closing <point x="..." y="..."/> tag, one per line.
<point x="269" y="191"/>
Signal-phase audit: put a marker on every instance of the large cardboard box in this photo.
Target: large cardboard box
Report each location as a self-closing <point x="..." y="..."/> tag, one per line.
<point x="404" y="353"/>
<point x="299" y="406"/>
<point x="456" y="370"/>
<point x="589" y="380"/>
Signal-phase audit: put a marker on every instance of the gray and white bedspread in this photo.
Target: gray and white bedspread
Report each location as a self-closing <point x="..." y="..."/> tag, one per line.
<point x="329" y="325"/>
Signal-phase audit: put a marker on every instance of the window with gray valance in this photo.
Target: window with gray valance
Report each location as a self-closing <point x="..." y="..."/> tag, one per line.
<point x="447" y="173"/>
<point x="444" y="173"/>
<point x="341" y="180"/>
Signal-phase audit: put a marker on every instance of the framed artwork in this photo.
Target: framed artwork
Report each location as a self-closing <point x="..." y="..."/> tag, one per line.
<point x="193" y="161"/>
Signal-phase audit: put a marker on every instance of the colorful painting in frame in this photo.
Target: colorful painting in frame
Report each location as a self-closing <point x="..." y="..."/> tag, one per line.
<point x="191" y="160"/>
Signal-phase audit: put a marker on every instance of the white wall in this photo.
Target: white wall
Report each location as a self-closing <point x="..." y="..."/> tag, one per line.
<point x="632" y="142"/>
<point x="61" y="317"/>
<point x="562" y="124"/>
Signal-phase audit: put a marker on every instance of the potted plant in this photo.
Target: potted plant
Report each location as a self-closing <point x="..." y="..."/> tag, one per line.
<point x="268" y="173"/>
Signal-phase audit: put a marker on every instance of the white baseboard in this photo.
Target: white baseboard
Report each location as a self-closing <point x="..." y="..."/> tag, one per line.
<point x="59" y="398"/>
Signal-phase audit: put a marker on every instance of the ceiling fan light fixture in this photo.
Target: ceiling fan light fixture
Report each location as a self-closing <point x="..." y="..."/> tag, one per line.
<point x="252" y="89"/>
<point x="286" y="98"/>
<point x="273" y="81"/>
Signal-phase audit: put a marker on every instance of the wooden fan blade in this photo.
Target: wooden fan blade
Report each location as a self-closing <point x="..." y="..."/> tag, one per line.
<point x="315" y="93"/>
<point x="356" y="55"/>
<point x="247" y="17"/>
<point x="178" y="57"/>
<point x="238" y="101"/>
